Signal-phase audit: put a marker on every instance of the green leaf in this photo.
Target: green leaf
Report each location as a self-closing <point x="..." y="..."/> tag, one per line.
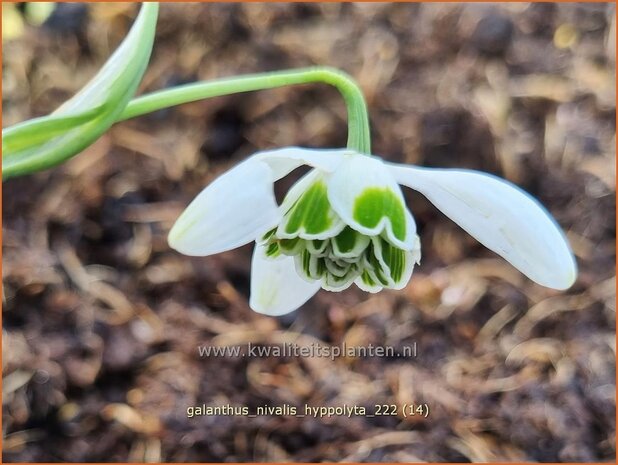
<point x="44" y="142"/>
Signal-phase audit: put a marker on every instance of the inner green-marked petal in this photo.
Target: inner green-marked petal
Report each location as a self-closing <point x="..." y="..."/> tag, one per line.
<point x="310" y="212"/>
<point x="375" y="203"/>
<point x="347" y="255"/>
<point x="266" y="237"/>
<point x="349" y="243"/>
<point x="291" y="246"/>
<point x="272" y="250"/>
<point x="367" y="279"/>
<point x="394" y="259"/>
<point x="317" y="246"/>
<point x="346" y="239"/>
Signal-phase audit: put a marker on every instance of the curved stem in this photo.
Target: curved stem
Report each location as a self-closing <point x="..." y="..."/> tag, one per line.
<point x="358" y="119"/>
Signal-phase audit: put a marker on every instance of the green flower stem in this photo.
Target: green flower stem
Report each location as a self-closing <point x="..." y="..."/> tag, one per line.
<point x="358" y="119"/>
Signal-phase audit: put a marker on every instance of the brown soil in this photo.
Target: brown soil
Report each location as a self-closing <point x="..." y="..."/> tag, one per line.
<point x="102" y="321"/>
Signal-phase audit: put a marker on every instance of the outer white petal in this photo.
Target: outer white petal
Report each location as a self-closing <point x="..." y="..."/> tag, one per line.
<point x="230" y="212"/>
<point x="500" y="216"/>
<point x="286" y="159"/>
<point x="276" y="288"/>
<point x="358" y="175"/>
<point x="240" y="204"/>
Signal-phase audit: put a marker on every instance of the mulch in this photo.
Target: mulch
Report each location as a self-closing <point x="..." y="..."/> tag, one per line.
<point x="102" y="320"/>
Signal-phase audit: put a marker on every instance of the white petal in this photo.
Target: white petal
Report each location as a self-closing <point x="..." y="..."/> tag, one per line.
<point x="240" y="205"/>
<point x="286" y="159"/>
<point x="500" y="216"/>
<point x="276" y="288"/>
<point x="230" y="212"/>
<point x="364" y="194"/>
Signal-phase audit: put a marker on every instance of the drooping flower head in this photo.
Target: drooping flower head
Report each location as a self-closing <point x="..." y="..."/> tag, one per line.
<point x="346" y="222"/>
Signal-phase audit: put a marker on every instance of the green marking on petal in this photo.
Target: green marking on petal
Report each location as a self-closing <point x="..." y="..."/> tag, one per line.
<point x="336" y="269"/>
<point x="320" y="267"/>
<point x="379" y="276"/>
<point x="367" y="279"/>
<point x="272" y="250"/>
<point x="291" y="246"/>
<point x="346" y="239"/>
<point x="268" y="235"/>
<point x="375" y="203"/>
<point x="374" y="267"/>
<point x="306" y="260"/>
<point x="349" y="243"/>
<point x="311" y="211"/>
<point x="333" y="282"/>
<point x="316" y="246"/>
<point x="394" y="259"/>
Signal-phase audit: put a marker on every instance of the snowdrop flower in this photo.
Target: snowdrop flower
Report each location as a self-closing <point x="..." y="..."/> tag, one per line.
<point x="346" y="222"/>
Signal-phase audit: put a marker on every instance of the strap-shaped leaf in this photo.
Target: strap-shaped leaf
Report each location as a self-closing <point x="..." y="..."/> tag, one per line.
<point x="44" y="142"/>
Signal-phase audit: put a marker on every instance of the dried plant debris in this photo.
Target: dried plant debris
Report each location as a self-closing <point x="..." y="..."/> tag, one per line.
<point x="102" y="321"/>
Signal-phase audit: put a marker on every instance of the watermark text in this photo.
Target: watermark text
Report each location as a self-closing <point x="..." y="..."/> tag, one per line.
<point x="251" y="350"/>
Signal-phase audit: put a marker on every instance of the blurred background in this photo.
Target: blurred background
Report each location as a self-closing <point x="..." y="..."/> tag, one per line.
<point x="101" y="320"/>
